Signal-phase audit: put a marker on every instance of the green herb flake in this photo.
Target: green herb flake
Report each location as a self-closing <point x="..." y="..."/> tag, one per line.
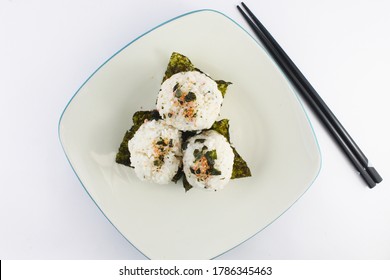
<point x="211" y="156"/>
<point x="197" y="154"/>
<point x="215" y="172"/>
<point x="178" y="93"/>
<point x="190" y="97"/>
<point x="161" y="142"/>
<point x="199" y="140"/>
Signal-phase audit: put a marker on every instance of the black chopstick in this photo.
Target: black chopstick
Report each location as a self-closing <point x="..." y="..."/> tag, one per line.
<point x="348" y="145"/>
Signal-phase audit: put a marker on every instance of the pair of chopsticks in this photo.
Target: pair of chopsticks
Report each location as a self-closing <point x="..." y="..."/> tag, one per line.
<point x="345" y="141"/>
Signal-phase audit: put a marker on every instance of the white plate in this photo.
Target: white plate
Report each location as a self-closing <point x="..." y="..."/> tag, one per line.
<point x="268" y="127"/>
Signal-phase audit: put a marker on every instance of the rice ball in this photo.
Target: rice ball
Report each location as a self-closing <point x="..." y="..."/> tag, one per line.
<point x="189" y="101"/>
<point x="208" y="161"/>
<point x="155" y="151"/>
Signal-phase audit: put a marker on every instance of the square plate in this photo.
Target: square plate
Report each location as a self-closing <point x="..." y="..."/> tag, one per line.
<point x="269" y="128"/>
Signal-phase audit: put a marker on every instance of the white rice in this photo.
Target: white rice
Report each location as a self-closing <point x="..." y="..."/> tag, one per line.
<point x="155" y="152"/>
<point x="208" y="141"/>
<point x="189" y="101"/>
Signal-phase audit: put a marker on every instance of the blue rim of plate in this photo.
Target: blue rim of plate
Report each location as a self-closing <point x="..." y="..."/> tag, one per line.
<point x="136" y="39"/>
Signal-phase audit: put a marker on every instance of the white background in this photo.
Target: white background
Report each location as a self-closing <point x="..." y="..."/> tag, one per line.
<point x="49" y="48"/>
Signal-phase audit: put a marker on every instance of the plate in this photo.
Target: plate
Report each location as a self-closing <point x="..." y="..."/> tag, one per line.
<point x="269" y="128"/>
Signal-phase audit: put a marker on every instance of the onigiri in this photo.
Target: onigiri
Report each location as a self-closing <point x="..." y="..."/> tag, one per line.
<point x="189" y="101"/>
<point x="155" y="151"/>
<point x="208" y="160"/>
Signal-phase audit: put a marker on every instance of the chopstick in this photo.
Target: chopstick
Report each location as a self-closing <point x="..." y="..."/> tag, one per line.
<point x="345" y="141"/>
